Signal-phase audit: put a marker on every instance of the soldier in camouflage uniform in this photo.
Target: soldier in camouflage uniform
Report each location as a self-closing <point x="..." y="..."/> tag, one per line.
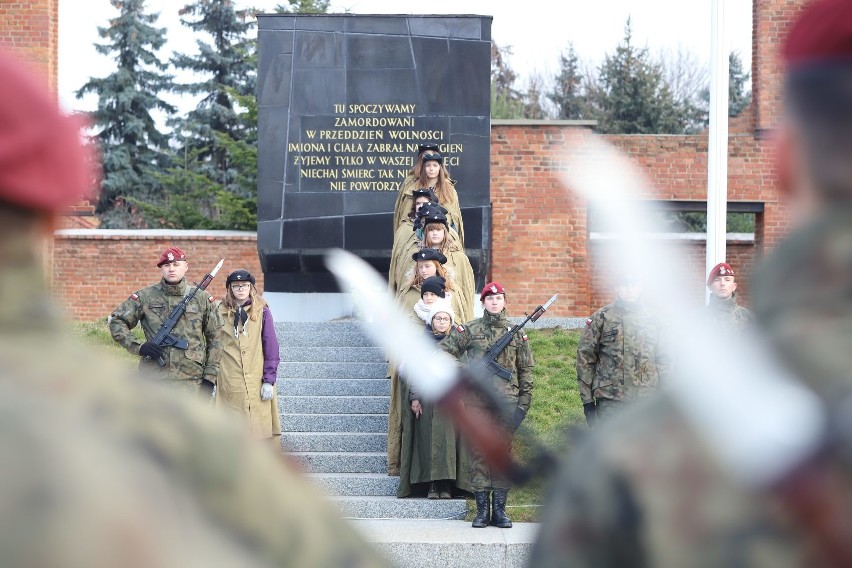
<point x="468" y="343"/>
<point x="643" y="490"/>
<point x="195" y="369"/>
<point x="620" y="356"/>
<point x="101" y="469"/>
<point x="723" y="308"/>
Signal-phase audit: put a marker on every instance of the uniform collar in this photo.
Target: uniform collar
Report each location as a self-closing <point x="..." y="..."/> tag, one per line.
<point x="178" y="289"/>
<point x="628" y="306"/>
<point x="727" y="304"/>
<point x="495" y="320"/>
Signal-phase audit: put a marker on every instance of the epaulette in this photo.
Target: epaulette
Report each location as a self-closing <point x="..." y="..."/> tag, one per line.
<point x="460" y="328"/>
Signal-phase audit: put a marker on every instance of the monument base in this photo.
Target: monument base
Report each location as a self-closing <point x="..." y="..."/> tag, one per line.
<point x="286" y="306"/>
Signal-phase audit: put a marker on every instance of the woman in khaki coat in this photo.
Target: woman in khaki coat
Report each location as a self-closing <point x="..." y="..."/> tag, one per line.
<point x="432" y="173"/>
<point x="249" y="356"/>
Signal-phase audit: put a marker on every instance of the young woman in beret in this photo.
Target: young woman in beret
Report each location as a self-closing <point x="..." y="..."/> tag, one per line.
<point x="250" y="357"/>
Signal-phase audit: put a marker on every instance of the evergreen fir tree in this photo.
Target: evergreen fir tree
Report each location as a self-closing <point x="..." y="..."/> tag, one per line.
<point x="226" y="66"/>
<point x="567" y="93"/>
<point x="506" y="102"/>
<point x="304" y="7"/>
<point x="129" y="140"/>
<point x="632" y="96"/>
<point x="738" y="97"/>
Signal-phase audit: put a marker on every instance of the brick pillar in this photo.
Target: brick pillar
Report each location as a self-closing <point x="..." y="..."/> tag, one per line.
<point x="771" y="21"/>
<point x="30" y="29"/>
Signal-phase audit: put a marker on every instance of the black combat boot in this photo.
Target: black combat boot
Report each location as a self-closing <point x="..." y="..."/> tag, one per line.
<point x="498" y="510"/>
<point x="481" y="519"/>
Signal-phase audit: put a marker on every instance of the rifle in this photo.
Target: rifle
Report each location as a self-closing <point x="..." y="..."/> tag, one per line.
<point x="489" y="360"/>
<point x="164" y="337"/>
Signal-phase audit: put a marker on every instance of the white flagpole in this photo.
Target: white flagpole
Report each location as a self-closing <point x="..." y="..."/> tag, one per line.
<point x="717" y="152"/>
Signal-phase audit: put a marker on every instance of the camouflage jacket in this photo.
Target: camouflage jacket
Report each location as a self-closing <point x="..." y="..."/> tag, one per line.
<point x="199" y="325"/>
<point x="469" y="342"/>
<point x="727" y="314"/>
<point x="620" y="355"/>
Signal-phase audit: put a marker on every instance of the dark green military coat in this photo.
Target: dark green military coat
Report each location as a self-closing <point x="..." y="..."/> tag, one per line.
<point x="199" y="325"/>
<point x="621" y="354"/>
<point x="431" y="450"/>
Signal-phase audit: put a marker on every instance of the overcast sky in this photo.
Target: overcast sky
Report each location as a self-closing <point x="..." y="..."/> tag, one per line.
<point x="537" y="30"/>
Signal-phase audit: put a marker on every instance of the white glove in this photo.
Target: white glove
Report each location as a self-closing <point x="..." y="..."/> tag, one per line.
<point x="267" y="391"/>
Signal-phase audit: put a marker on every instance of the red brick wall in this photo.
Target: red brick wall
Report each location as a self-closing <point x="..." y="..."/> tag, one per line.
<point x="741" y="255"/>
<point x="30" y="29"/>
<point x="94" y="271"/>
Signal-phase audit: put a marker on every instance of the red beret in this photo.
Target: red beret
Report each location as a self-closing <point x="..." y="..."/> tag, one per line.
<point x="170" y="255"/>
<point x="43" y="164"/>
<point x="822" y="31"/>
<point x="721" y="269"/>
<point x="490" y="289"/>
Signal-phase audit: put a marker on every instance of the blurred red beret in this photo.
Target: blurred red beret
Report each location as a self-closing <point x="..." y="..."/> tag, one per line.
<point x="823" y="31"/>
<point x="43" y="163"/>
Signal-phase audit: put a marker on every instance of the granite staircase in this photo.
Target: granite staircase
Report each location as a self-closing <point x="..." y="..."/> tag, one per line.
<point x="333" y="396"/>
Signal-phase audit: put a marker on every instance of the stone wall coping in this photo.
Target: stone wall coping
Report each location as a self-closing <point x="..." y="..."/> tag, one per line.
<point x="153" y="234"/>
<point x="537" y="122"/>
<point x="730" y="237"/>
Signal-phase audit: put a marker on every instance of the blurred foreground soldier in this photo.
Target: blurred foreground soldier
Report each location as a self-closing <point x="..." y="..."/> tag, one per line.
<point x="195" y="369"/>
<point x="620" y="356"/>
<point x="723" y="308"/>
<point x="105" y="470"/>
<point x="468" y="343"/>
<point x="649" y="493"/>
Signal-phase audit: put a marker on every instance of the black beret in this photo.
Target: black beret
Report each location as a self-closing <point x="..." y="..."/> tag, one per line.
<point x="430" y="254"/>
<point x="433" y="157"/>
<point x="240" y="275"/>
<point x="425" y="192"/>
<point x="434" y="284"/>
<point x="429" y="146"/>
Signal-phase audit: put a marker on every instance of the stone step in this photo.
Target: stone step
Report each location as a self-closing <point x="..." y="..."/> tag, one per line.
<point x="332" y="354"/>
<point x="357" y="507"/>
<point x="423" y="543"/>
<point x="316" y="370"/>
<point x="334" y="423"/>
<point x="314" y="334"/>
<point x="333" y="404"/>
<point x="356" y="484"/>
<point x="297" y="327"/>
<point x="334" y="442"/>
<point x="342" y="462"/>
<point x="334" y="387"/>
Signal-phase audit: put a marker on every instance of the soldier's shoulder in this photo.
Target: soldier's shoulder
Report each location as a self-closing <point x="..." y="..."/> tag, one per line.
<point x="151" y="291"/>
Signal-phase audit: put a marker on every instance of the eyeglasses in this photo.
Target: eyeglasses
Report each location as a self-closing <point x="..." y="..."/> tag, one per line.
<point x="240" y="286"/>
<point x="441" y="320"/>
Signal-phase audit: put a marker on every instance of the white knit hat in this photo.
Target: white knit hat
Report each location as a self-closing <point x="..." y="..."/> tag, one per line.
<point x="442" y="305"/>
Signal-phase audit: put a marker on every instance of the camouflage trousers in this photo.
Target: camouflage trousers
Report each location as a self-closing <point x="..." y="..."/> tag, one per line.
<point x="606" y="407"/>
<point x="482" y="478"/>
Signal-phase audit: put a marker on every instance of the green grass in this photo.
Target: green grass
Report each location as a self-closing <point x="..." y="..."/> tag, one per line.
<point x="96" y="333"/>
<point x="555" y="407"/>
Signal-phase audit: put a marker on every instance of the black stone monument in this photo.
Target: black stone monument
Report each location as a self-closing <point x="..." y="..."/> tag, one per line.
<point x="344" y="100"/>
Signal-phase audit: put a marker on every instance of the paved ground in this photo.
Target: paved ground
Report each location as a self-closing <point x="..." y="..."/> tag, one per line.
<point x="424" y="542"/>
